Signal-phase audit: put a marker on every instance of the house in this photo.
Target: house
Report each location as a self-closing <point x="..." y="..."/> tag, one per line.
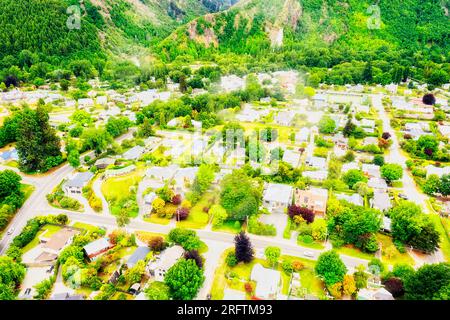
<point x="317" y="162"/>
<point x="313" y="198"/>
<point x="277" y="196"/>
<point x="368" y="125"/>
<point x="102" y="100"/>
<point x="134" y="153"/>
<point x="371" y="170"/>
<point x="59" y="240"/>
<point x="184" y="178"/>
<point x="232" y="83"/>
<point x="96" y="248"/>
<point x="374" y="294"/>
<point x="86" y="102"/>
<point x="349" y="166"/>
<point x="284" y="118"/>
<point x="291" y="157"/>
<point x="302" y="135"/>
<point x="438" y="171"/>
<point x="319" y="175"/>
<point x="268" y="282"/>
<point x="166" y="260"/>
<point x="104" y="163"/>
<point x="381" y="201"/>
<point x="355" y="198"/>
<point x="67" y="296"/>
<point x="362" y="108"/>
<point x="162" y="173"/>
<point x="139" y="254"/>
<point x="320" y="100"/>
<point x="369" y="141"/>
<point x="119" y="172"/>
<point x="77" y="182"/>
<point x="377" y="183"/>
<point x="444" y="130"/>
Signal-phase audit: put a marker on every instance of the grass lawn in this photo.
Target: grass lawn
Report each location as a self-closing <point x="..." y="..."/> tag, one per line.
<point x="50" y="230"/>
<point x="229" y="226"/>
<point x="197" y="218"/>
<point x="241" y="274"/>
<point x="157" y="220"/>
<point x="314" y="245"/>
<point x="27" y="190"/>
<point x="396" y="257"/>
<point x="85" y="226"/>
<point x="12" y="163"/>
<point x="143" y="235"/>
<point x="120" y="189"/>
<point x="443" y="227"/>
<point x="354" y="252"/>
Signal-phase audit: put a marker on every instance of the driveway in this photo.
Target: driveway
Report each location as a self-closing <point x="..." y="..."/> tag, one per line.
<point x="97" y="188"/>
<point x="278" y="218"/>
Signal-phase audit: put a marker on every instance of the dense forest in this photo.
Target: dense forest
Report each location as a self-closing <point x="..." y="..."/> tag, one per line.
<point x="338" y="42"/>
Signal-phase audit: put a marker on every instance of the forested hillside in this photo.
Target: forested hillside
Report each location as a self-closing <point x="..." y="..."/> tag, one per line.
<point x="324" y="34"/>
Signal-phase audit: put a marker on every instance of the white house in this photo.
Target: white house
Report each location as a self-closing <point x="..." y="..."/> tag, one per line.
<point x="319" y="175"/>
<point x="277" y="196"/>
<point x="302" y="135"/>
<point x="268" y="282"/>
<point x="86" y="102"/>
<point x="377" y="183"/>
<point x="134" y="153"/>
<point x="439" y="171"/>
<point x="77" y="182"/>
<point x="317" y="162"/>
<point x="291" y="157"/>
<point x="371" y="170"/>
<point x="166" y="260"/>
<point x="161" y="173"/>
<point x="355" y="198"/>
<point x="232" y="83"/>
<point x="349" y="166"/>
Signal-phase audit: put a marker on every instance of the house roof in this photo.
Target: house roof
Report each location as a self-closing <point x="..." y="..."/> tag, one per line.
<point x="79" y="180"/>
<point x="354" y="198"/>
<point x="377" y="183"/>
<point x="381" y="201"/>
<point x="138" y="255"/>
<point x="97" y="246"/>
<point x="60" y="239"/>
<point x="169" y="257"/>
<point x="104" y="161"/>
<point x="276" y="192"/>
<point x="134" y="153"/>
<point x="291" y="157"/>
<point x="316" y="175"/>
<point x="439" y="171"/>
<point x="267" y="281"/>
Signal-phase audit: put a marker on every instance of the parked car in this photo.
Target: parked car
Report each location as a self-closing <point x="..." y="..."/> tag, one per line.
<point x="308" y="254"/>
<point x="10" y="231"/>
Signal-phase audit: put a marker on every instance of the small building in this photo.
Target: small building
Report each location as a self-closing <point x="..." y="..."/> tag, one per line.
<point x="119" y="172"/>
<point x="314" y="198"/>
<point x="386" y="224"/>
<point x="134" y="153"/>
<point x="268" y="282"/>
<point x="349" y="166"/>
<point x="438" y="171"/>
<point x="102" y="100"/>
<point x="381" y="201"/>
<point x="76" y="184"/>
<point x="104" y="163"/>
<point x="184" y="178"/>
<point x="166" y="260"/>
<point x="302" y="135"/>
<point x="291" y="157"/>
<point x="138" y="255"/>
<point x="161" y="173"/>
<point x="355" y="198"/>
<point x="374" y="294"/>
<point x="86" y="102"/>
<point x="96" y="248"/>
<point x="370" y="141"/>
<point x="317" y="162"/>
<point x="149" y="198"/>
<point x="277" y="196"/>
<point x="318" y="175"/>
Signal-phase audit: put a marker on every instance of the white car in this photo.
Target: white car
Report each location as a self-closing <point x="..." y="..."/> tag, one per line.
<point x="10" y="231"/>
<point x="308" y="254"/>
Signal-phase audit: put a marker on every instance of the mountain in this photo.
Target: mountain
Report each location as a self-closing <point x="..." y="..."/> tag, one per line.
<point x="110" y="24"/>
<point x="318" y="33"/>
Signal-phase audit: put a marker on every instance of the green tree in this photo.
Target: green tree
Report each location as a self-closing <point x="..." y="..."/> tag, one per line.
<point x="429" y="282"/>
<point x="184" y="280"/>
<point x="272" y="255"/>
<point x="38" y="145"/>
<point x="330" y="268"/>
<point x="353" y="176"/>
<point x="432" y="185"/>
<point x="157" y="290"/>
<point x="391" y="172"/>
<point x="327" y="125"/>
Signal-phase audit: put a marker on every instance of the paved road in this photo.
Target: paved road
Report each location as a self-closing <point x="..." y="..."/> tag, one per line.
<point x="395" y="156"/>
<point x="37" y="201"/>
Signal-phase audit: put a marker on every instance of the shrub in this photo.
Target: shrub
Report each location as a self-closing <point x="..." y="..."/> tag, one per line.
<point x="297" y="265"/>
<point x="248" y="287"/>
<point x="231" y="259"/>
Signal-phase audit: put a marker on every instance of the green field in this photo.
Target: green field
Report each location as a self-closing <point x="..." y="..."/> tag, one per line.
<point x="198" y="218"/>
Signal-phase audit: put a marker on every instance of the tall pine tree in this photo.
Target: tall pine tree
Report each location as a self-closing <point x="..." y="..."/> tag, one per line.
<point x="243" y="248"/>
<point x="37" y="144"/>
